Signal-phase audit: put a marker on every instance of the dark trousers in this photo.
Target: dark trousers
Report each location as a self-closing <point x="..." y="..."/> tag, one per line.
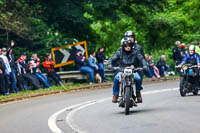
<point x="32" y="79"/>
<point x="2" y="84"/>
<point x="54" y="76"/>
<point x="7" y="82"/>
<point x="23" y="85"/>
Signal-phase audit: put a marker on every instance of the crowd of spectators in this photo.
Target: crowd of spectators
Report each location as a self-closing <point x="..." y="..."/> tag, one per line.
<point x="20" y="75"/>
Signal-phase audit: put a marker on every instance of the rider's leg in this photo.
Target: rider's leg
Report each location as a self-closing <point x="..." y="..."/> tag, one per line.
<point x="138" y="82"/>
<point x="116" y="87"/>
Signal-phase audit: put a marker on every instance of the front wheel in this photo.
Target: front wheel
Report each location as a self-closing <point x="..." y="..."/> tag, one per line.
<point x="182" y="87"/>
<point x="127" y="99"/>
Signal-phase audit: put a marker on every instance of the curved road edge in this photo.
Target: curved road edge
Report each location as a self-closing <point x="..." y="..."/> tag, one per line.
<point x="77" y="89"/>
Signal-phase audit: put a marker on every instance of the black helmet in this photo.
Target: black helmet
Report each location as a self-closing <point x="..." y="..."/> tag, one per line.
<point x="126" y="41"/>
<point x="129" y="33"/>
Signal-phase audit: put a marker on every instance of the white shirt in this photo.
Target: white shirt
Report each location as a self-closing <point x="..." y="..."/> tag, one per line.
<point x="6" y="62"/>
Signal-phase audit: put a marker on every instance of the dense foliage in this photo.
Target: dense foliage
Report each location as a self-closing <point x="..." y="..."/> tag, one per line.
<point x="39" y="25"/>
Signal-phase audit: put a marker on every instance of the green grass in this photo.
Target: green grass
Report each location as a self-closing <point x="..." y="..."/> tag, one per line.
<point x="30" y="92"/>
<point x="57" y="88"/>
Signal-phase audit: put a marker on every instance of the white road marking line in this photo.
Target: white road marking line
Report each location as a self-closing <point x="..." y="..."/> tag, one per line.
<point x="159" y="91"/>
<point x="52" y="119"/>
<point x="71" y="114"/>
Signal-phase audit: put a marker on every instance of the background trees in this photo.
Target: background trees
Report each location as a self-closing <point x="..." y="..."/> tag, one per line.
<point x="39" y="25"/>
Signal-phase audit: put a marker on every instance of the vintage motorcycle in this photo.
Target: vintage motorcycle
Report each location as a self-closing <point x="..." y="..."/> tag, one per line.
<point x="127" y="98"/>
<point x="189" y="81"/>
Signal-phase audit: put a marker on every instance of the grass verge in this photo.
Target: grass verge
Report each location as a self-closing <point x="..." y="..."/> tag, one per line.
<point x="58" y="89"/>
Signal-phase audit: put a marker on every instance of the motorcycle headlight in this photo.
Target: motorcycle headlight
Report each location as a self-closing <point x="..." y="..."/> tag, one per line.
<point x="128" y="72"/>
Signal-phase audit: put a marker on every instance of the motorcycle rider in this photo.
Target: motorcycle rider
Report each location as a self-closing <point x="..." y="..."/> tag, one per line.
<point x="191" y="58"/>
<point x="130" y="34"/>
<point x="127" y="55"/>
<point x="132" y="37"/>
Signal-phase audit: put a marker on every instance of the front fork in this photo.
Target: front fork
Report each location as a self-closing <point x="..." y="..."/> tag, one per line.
<point x="128" y="83"/>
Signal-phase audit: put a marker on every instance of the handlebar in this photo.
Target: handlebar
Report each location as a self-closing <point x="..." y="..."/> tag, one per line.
<point x="122" y="68"/>
<point x="189" y="65"/>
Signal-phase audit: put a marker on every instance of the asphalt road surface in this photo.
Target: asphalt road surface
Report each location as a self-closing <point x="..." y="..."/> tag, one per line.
<point x="163" y="111"/>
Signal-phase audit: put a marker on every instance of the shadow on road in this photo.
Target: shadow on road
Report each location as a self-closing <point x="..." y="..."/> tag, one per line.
<point x="136" y="111"/>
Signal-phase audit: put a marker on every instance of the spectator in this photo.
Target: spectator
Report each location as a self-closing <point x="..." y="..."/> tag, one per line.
<point x="7" y="70"/>
<point x="183" y="50"/>
<point x="81" y="65"/>
<point x="176" y="54"/>
<point x="100" y="59"/>
<point x="34" y="67"/>
<point x="92" y="64"/>
<point x="24" y="75"/>
<point x="153" y="68"/>
<point x="48" y="64"/>
<point x="149" y="73"/>
<point x="2" y="82"/>
<point x="13" y="67"/>
<point x="162" y="66"/>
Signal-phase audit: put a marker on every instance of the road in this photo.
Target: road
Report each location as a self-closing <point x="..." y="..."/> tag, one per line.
<point x="163" y="111"/>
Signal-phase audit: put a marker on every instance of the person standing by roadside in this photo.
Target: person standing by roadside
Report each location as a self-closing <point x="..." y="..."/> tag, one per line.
<point x="34" y="68"/>
<point x="7" y="70"/>
<point x="176" y="53"/>
<point x="2" y="82"/>
<point x="100" y="59"/>
<point x="11" y="60"/>
<point x="48" y="64"/>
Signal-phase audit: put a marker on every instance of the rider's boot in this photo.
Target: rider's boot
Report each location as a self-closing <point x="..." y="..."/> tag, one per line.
<point x="139" y="97"/>
<point x="114" y="98"/>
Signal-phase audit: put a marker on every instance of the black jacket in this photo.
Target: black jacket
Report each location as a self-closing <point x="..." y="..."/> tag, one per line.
<point x="176" y="54"/>
<point x="79" y="61"/>
<point x="2" y="66"/>
<point x="100" y="57"/>
<point x="161" y="63"/>
<point x="124" y="59"/>
<point x="138" y="48"/>
<point x="11" y="58"/>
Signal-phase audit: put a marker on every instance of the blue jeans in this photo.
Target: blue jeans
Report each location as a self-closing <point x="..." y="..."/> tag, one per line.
<point x="13" y="81"/>
<point x="89" y="70"/>
<point x="163" y="69"/>
<point x="102" y="71"/>
<point x="43" y="79"/>
<point x="149" y="72"/>
<point x="137" y="79"/>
